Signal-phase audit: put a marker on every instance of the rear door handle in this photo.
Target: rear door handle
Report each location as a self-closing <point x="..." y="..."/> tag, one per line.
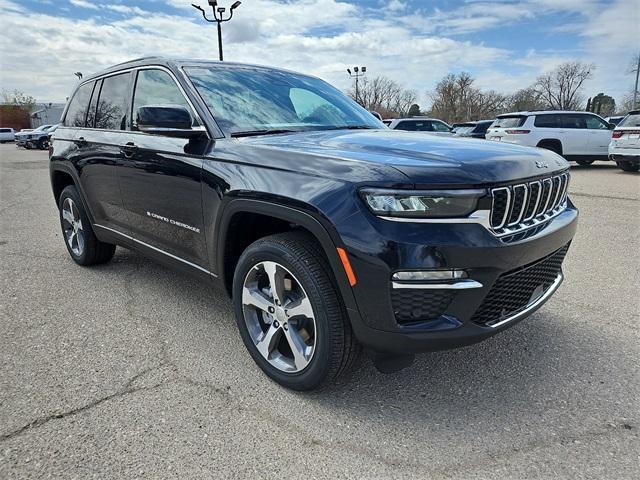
<point x="128" y="149"/>
<point x="80" y="141"/>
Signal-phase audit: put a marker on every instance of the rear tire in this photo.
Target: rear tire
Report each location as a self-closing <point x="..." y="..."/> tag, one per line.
<point x="81" y="242"/>
<point x="585" y="163"/>
<point x="329" y="347"/>
<point x="629" y="166"/>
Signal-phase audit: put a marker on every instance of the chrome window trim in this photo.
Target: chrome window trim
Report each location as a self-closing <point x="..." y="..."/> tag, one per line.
<point x="175" y="257"/>
<point x="532" y="306"/>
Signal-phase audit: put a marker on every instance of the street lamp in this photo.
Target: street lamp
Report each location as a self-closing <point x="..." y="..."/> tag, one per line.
<point x="218" y="17"/>
<point x="357" y="73"/>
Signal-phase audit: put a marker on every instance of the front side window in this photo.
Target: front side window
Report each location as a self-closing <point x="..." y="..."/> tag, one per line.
<point x="77" y="110"/>
<point x="255" y="100"/>
<point x="440" y="127"/>
<point x="595" y="123"/>
<point x="548" y="121"/>
<point x="157" y="87"/>
<point x="111" y="110"/>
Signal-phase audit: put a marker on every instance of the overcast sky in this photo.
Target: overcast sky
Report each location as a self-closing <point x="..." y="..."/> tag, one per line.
<point x="505" y="45"/>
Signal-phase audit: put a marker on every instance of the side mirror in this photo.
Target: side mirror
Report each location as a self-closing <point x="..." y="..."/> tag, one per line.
<point x="612" y="126"/>
<point x="167" y="120"/>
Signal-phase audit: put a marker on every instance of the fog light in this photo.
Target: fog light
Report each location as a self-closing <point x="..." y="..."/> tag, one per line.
<point x="427" y="275"/>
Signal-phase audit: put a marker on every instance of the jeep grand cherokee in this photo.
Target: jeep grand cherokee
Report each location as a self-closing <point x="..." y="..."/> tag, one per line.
<point x="329" y="231"/>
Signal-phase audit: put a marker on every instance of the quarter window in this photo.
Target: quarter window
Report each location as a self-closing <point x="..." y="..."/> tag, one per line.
<point x="157" y="87"/>
<point x="111" y="111"/>
<point x="77" y="111"/>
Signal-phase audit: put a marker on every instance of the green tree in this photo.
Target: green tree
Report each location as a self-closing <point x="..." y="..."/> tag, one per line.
<point x="602" y="104"/>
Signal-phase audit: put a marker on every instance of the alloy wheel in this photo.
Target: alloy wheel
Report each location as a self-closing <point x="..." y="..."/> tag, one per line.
<point x="72" y="226"/>
<point x="279" y="317"/>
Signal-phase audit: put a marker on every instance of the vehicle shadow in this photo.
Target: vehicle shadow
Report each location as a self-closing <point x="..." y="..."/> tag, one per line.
<point x="523" y="369"/>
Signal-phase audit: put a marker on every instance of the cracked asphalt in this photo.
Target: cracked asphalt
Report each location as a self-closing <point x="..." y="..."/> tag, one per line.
<point x="131" y="370"/>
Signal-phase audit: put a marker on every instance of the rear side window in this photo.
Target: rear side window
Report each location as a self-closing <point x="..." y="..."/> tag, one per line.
<point x="574" y="121"/>
<point x="5" y="130"/>
<point x="157" y="87"/>
<point x="77" y="111"/>
<point x="548" y="121"/>
<point x="511" y="122"/>
<point x="482" y="127"/>
<point x="111" y="111"/>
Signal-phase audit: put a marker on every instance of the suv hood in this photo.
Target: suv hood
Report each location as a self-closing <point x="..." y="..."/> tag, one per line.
<point x="422" y="159"/>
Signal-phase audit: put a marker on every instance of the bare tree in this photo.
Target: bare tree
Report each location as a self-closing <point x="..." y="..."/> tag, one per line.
<point x="456" y="99"/>
<point x="525" y="100"/>
<point x="561" y="88"/>
<point x="385" y="96"/>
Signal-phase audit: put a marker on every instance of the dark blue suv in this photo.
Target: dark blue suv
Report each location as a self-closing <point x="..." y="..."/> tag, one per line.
<point x="329" y="231"/>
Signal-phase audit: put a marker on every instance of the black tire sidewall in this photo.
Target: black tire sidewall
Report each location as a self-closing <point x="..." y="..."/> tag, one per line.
<point x="319" y="365"/>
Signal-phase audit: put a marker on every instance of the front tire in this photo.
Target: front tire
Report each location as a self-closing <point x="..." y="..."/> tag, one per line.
<point x="629" y="166"/>
<point x="289" y="313"/>
<point x="585" y="163"/>
<point x="83" y="246"/>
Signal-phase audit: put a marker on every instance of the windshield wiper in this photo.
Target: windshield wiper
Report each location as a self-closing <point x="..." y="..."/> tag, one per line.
<point x="267" y="131"/>
<point x="351" y="127"/>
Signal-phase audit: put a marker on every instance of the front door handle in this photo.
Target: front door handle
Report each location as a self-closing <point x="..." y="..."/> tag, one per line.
<point x="80" y="141"/>
<point x="128" y="149"/>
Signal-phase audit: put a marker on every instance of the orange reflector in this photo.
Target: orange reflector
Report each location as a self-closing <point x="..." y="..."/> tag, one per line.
<point x="347" y="266"/>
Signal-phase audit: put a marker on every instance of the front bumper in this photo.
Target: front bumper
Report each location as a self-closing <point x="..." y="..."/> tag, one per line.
<point x="378" y="248"/>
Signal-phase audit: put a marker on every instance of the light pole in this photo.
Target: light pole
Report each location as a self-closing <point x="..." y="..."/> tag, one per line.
<point x="218" y="17"/>
<point x="357" y="73"/>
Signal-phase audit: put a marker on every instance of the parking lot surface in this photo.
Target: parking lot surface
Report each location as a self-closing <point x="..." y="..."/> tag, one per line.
<point x="130" y="370"/>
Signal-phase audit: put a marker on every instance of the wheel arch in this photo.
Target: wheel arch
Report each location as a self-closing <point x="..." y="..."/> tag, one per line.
<point x="547" y="142"/>
<point x="62" y="177"/>
<point x="284" y="218"/>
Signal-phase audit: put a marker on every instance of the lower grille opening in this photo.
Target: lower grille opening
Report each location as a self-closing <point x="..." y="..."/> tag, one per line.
<point x="419" y="305"/>
<point x="514" y="291"/>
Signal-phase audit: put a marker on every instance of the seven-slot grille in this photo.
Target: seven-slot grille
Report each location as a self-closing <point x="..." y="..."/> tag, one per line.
<point x="521" y="206"/>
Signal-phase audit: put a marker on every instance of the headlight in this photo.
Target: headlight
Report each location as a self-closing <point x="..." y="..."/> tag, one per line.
<point x="421" y="204"/>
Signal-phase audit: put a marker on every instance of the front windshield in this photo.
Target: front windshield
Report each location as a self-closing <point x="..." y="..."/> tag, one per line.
<point x="257" y="100"/>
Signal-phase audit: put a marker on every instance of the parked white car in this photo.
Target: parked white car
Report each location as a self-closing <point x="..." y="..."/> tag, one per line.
<point x="7" y="135"/>
<point x="624" y="148"/>
<point x="420" y="124"/>
<point x="580" y="136"/>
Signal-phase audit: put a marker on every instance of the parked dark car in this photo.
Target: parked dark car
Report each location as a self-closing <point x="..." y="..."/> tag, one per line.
<point x="474" y="129"/>
<point x="329" y="231"/>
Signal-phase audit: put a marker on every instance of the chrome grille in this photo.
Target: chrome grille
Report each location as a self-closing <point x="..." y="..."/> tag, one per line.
<point x="525" y="205"/>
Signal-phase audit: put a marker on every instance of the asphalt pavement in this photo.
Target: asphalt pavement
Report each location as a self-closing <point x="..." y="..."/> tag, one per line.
<point x="131" y="370"/>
